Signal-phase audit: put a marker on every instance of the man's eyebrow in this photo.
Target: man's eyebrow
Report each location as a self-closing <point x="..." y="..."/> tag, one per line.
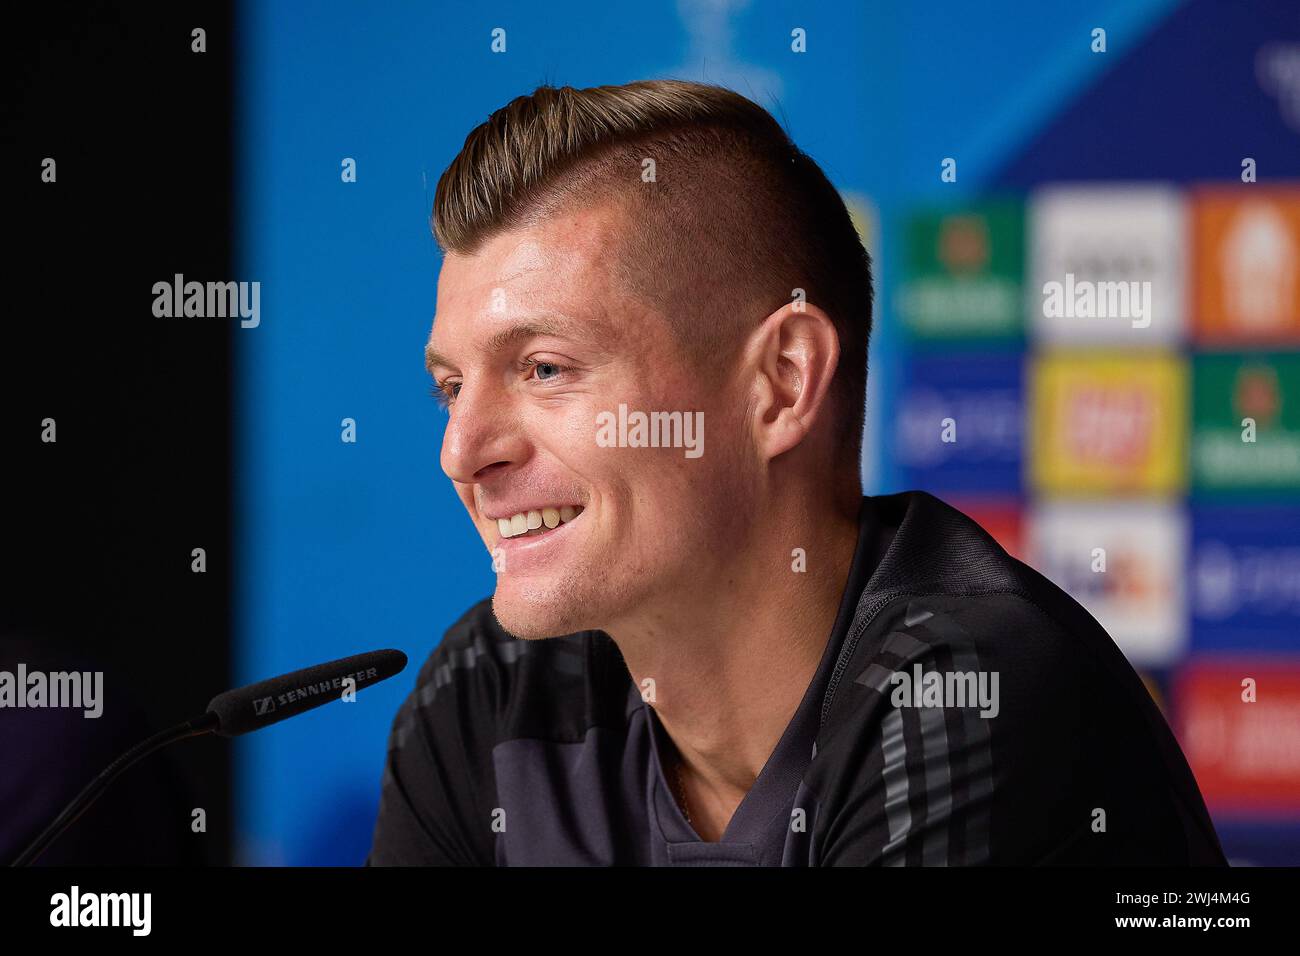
<point x="499" y="341"/>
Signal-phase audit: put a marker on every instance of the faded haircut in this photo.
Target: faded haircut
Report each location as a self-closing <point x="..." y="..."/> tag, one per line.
<point x="733" y="221"/>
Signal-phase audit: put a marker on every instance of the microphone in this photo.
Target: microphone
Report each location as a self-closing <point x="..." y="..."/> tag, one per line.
<point x="271" y="701"/>
<point x="237" y="712"/>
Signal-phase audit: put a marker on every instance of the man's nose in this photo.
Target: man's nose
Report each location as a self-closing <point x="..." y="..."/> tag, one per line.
<point x="481" y="433"/>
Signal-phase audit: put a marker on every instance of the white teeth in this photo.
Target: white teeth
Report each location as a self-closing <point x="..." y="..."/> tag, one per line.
<point x="525" y="521"/>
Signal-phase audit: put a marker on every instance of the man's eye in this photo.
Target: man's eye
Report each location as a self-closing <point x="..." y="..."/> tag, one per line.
<point x="545" y="371"/>
<point x="445" y="392"/>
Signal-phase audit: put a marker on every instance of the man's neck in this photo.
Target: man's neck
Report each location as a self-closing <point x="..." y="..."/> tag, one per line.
<point x="732" y="657"/>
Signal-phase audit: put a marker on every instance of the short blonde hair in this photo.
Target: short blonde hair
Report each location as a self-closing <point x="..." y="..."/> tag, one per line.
<point x="733" y="220"/>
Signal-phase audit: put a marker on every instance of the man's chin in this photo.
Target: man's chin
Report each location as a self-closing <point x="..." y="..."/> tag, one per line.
<point x="535" y="617"/>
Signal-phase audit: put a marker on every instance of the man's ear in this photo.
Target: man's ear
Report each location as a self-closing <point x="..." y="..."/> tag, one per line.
<point x="793" y="355"/>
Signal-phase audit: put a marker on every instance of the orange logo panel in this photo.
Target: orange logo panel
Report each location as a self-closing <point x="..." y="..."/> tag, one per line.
<point x="1246" y="264"/>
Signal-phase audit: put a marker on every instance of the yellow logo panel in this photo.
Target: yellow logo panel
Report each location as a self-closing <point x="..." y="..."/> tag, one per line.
<point x="1107" y="423"/>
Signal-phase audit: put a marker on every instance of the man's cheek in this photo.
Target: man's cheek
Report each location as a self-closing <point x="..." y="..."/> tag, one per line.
<point x="571" y="433"/>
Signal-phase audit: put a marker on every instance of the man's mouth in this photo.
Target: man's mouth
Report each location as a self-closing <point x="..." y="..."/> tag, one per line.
<point x="538" y="521"/>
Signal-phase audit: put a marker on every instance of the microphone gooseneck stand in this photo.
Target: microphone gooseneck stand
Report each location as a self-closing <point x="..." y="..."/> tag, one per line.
<point x="206" y="724"/>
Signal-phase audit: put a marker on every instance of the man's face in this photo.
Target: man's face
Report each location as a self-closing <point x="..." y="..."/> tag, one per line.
<point x="536" y="348"/>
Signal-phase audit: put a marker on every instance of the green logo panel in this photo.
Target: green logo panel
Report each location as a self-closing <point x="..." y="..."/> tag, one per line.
<point x="964" y="273"/>
<point x="1246" y="422"/>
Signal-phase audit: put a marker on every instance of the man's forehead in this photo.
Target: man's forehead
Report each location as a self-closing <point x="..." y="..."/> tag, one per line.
<point x="572" y="243"/>
<point x="552" y="275"/>
<point x="496" y="273"/>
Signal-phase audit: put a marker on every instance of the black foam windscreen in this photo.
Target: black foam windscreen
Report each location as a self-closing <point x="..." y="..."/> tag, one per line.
<point x="270" y="701"/>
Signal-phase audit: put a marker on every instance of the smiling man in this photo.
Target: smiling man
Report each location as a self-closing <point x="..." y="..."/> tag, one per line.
<point x="719" y="652"/>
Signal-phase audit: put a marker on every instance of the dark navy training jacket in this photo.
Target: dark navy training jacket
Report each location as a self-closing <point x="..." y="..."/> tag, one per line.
<point x="966" y="711"/>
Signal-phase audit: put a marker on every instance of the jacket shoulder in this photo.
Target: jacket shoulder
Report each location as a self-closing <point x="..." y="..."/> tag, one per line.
<point x="1001" y="708"/>
<point x="553" y="687"/>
